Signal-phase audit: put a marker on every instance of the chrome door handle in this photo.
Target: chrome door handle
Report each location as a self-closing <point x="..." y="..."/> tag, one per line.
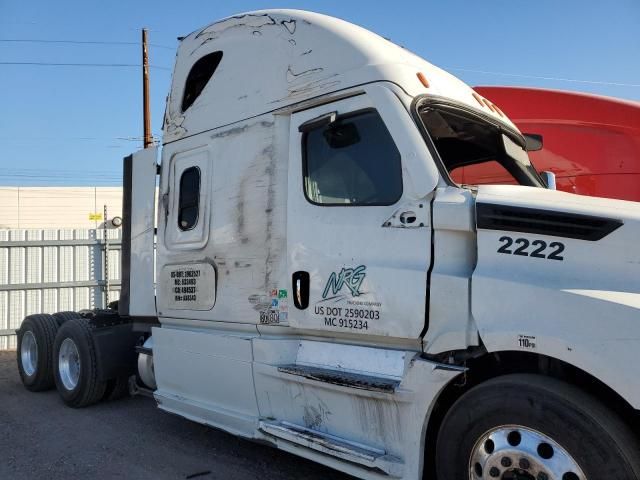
<point x="300" y="281"/>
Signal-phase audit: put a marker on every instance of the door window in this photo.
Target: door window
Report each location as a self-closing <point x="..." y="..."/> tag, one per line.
<point x="352" y="161"/>
<point x="187" y="206"/>
<point x="199" y="77"/>
<point x="189" y="203"/>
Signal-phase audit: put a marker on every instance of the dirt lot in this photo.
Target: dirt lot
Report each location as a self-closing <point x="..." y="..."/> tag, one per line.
<point x="132" y="439"/>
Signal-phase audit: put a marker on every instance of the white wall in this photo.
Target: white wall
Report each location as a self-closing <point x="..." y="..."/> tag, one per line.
<point x="57" y="207"/>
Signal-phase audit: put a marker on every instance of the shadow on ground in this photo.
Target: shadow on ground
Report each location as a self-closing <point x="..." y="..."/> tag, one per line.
<point x="42" y="438"/>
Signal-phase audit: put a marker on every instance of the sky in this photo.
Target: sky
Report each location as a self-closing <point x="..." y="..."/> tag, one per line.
<point x="71" y="125"/>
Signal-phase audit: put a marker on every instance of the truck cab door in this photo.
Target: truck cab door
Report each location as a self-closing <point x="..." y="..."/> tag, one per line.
<point x="185" y="285"/>
<point x="359" y="226"/>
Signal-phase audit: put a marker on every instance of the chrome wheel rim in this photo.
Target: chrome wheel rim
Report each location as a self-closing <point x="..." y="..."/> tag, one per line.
<point x="513" y="452"/>
<point x="69" y="364"/>
<point x="29" y="353"/>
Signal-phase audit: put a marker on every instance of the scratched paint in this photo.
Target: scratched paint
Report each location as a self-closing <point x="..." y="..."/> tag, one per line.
<point x="247" y="218"/>
<point x="278" y="58"/>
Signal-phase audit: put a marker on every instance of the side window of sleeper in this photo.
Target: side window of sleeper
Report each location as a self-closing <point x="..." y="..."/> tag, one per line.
<point x="189" y="199"/>
<point x="352" y="161"/>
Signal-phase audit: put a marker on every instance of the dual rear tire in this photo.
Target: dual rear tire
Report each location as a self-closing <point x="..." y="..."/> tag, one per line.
<point x="36" y="337"/>
<point x="75" y="370"/>
<point x="59" y="350"/>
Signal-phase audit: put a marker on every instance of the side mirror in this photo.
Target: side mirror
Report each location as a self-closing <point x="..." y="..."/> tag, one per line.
<point x="533" y="142"/>
<point x="341" y="136"/>
<point x="549" y="179"/>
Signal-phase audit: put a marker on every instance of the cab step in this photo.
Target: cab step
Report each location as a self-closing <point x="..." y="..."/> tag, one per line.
<point x="355" y="452"/>
<point x="346" y="379"/>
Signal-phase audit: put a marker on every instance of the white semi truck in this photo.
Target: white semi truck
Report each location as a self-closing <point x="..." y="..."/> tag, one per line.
<point x="322" y="285"/>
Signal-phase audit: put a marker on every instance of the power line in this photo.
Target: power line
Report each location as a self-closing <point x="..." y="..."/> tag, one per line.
<point x="459" y="69"/>
<point x="52" y="174"/>
<point x="537" y="77"/>
<point x="66" y="177"/>
<point x="60" y="174"/>
<point x="79" y="42"/>
<point x="156" y="136"/>
<point x="55" y="64"/>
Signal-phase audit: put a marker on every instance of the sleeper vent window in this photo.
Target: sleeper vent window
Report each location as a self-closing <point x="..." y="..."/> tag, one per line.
<point x="199" y="76"/>
<point x="189" y="203"/>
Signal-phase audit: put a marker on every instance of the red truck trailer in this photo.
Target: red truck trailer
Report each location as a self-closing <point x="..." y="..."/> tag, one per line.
<point x="591" y="142"/>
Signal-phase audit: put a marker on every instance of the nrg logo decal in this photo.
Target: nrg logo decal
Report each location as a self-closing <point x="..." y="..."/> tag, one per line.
<point x="351" y="277"/>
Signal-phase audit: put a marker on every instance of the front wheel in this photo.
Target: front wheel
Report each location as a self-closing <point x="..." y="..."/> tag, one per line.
<point x="530" y="427"/>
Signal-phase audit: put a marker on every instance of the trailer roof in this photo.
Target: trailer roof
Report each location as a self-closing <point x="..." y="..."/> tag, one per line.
<point x="275" y="58"/>
<point x="528" y="104"/>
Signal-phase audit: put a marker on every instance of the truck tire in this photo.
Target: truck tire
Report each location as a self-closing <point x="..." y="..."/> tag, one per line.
<point x="533" y="427"/>
<point x="35" y="351"/>
<point x="75" y="366"/>
<point x="62" y="317"/>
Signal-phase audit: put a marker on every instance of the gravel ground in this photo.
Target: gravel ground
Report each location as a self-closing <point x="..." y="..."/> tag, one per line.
<point x="41" y="438"/>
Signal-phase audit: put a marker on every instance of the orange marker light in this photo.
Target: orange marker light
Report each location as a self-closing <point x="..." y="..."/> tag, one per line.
<point x="478" y="98"/>
<point x="423" y="79"/>
<point x="500" y="112"/>
<point x="489" y="104"/>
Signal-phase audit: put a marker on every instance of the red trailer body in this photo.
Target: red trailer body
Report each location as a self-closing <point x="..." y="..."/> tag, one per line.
<point x="591" y="143"/>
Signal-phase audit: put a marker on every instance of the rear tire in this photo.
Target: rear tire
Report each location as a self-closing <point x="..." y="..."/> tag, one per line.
<point x="76" y="365"/>
<point x="35" y="349"/>
<point x="543" y="424"/>
<point x="62" y="317"/>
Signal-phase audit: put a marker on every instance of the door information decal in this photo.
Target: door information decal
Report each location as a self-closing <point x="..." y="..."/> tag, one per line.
<point x="185" y="285"/>
<point x="189" y="286"/>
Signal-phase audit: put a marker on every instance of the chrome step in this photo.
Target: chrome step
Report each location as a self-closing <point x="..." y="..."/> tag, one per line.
<point x="346" y="379"/>
<point x="355" y="452"/>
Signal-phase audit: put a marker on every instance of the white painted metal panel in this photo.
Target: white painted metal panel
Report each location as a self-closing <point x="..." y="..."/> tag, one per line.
<point x="351" y="358"/>
<point x="207" y="377"/>
<point x="336" y="242"/>
<point x="47" y="271"/>
<point x="296" y="55"/>
<point x="142" y="215"/>
<point x="195" y="237"/>
<point x="247" y="222"/>
<point x="579" y="309"/>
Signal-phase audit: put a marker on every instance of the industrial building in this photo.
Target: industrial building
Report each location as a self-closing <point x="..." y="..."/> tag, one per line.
<point x="58" y="207"/>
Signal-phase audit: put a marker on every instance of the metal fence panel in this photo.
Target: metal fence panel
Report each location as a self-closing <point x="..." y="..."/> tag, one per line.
<point x="47" y="271"/>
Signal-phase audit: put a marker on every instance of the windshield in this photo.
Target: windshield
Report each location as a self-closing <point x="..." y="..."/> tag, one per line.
<point x="467" y="142"/>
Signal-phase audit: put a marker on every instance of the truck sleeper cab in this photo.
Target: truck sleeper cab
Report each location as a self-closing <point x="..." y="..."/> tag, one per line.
<point x="323" y="285"/>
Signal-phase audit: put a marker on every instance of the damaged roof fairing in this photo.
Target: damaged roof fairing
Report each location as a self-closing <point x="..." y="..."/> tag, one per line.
<point x="276" y="58"/>
<point x="264" y="67"/>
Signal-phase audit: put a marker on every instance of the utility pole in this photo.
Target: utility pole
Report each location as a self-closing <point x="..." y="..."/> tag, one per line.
<point x="105" y="240"/>
<point x="146" y="111"/>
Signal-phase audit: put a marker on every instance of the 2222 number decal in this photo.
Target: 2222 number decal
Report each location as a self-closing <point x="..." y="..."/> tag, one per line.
<point x="539" y="248"/>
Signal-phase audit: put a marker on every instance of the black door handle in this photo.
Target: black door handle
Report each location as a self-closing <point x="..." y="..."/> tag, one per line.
<point x="300" y="282"/>
<point x="407" y="217"/>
